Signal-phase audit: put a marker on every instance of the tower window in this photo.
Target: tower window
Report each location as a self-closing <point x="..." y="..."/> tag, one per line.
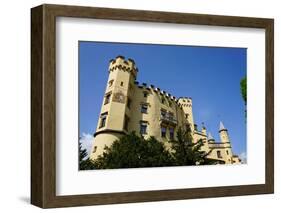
<point x="122" y="83"/>
<point x="145" y="94"/>
<point x="110" y="83"/>
<point x="107" y="99"/>
<point x="163" y="113"/>
<point x="103" y="119"/>
<point x="170" y="103"/>
<point x="144" y="108"/>
<point x="187" y="127"/>
<point x="129" y="103"/>
<point x="126" y="122"/>
<point x="227" y="152"/>
<point x="172" y="133"/>
<point x="95" y="149"/>
<point x="186" y="115"/>
<point x="163" y="100"/>
<point x="163" y="131"/>
<point x="219" y="154"/>
<point x="143" y="128"/>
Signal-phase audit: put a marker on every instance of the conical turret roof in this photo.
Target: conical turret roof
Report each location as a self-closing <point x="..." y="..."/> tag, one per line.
<point x="210" y="137"/>
<point x="222" y="126"/>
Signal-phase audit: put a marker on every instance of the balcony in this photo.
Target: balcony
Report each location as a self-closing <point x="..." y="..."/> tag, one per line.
<point x="168" y="120"/>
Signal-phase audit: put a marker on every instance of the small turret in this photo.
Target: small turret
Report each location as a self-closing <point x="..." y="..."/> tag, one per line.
<point x="120" y="63"/>
<point x="210" y="138"/>
<point x="223" y="134"/>
<point x="204" y="131"/>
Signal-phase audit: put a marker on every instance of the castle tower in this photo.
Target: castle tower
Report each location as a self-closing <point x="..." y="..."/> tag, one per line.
<point x="204" y="130"/>
<point x="186" y="104"/>
<point x="224" y="137"/>
<point x="223" y="134"/>
<point x="115" y="110"/>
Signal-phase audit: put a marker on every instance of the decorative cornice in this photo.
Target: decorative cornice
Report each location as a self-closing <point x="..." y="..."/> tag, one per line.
<point x="220" y="147"/>
<point x="109" y="131"/>
<point x="200" y="133"/>
<point x="219" y="142"/>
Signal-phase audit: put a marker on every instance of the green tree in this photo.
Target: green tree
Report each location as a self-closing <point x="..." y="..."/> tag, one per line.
<point x="84" y="162"/>
<point x="132" y="151"/>
<point x="243" y="88"/>
<point x="186" y="152"/>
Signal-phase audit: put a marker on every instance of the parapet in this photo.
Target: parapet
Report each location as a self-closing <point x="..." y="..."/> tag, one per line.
<point x="185" y="101"/>
<point x="121" y="63"/>
<point x="129" y="65"/>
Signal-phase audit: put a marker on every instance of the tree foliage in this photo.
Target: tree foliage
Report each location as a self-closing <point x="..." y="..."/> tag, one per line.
<point x="84" y="162"/>
<point x="132" y="151"/>
<point x="186" y="152"/>
<point x="243" y="88"/>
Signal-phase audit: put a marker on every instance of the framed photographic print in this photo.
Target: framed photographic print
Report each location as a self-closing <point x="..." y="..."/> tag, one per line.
<point x="136" y="106"/>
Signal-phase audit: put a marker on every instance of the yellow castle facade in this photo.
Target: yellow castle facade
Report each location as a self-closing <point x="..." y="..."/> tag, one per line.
<point x="149" y="111"/>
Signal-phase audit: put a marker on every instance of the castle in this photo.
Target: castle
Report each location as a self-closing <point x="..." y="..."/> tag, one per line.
<point x="129" y="106"/>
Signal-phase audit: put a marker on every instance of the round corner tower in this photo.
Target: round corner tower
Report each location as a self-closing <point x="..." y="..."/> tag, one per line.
<point x="113" y="119"/>
<point x="224" y="137"/>
<point x="223" y="134"/>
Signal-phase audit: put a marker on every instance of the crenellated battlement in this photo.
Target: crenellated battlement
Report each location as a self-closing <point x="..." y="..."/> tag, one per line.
<point x="122" y="64"/>
<point x="185" y="101"/>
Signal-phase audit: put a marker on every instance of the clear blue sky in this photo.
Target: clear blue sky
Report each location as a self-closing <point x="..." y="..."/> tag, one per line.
<point x="210" y="75"/>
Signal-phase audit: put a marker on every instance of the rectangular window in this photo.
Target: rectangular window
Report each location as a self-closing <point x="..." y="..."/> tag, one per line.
<point x="126" y="122"/>
<point x="102" y="122"/>
<point x="107" y="99"/>
<point x="144" y="108"/>
<point x="103" y="119"/>
<point x="219" y="154"/>
<point x="163" y="113"/>
<point x="170" y="104"/>
<point x="163" y="131"/>
<point x="227" y="152"/>
<point x="143" y="128"/>
<point x="95" y="149"/>
<point x="172" y="133"/>
<point x="129" y="103"/>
